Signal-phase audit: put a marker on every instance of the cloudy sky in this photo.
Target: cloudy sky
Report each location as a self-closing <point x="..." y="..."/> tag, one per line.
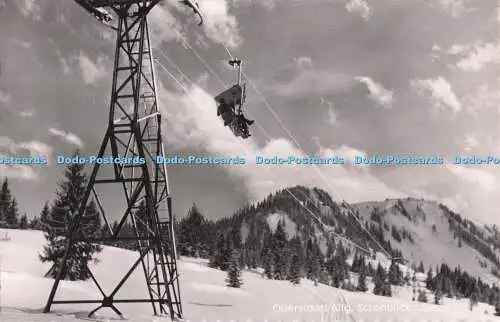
<point x="325" y="77"/>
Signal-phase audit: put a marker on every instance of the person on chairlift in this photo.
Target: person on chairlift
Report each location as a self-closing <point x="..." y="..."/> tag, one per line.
<point x="242" y="125"/>
<point x="225" y="111"/>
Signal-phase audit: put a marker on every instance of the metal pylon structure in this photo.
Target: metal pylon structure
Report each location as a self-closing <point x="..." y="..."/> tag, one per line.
<point x="134" y="131"/>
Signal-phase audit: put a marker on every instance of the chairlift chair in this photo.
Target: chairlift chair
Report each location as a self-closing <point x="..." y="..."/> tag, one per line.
<point x="233" y="98"/>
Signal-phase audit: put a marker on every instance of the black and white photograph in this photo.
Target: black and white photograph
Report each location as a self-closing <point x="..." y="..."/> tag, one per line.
<point x="250" y="160"/>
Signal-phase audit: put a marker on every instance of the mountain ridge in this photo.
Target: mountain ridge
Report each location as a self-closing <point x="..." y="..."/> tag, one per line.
<point x="398" y="228"/>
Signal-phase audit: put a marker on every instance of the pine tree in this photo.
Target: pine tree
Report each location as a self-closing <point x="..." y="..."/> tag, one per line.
<point x="269" y="264"/>
<point x="44" y="222"/>
<point x="356" y="263"/>
<point x="422" y="297"/>
<point x="474" y="298"/>
<point x="386" y="289"/>
<point x="234" y="270"/>
<point x="295" y="270"/>
<point x="66" y="205"/>
<point x="192" y="233"/>
<point x="379" y="280"/>
<point x="279" y="248"/>
<point x="361" y="287"/>
<point x="23" y="222"/>
<point x="394" y="276"/>
<point x="12" y="215"/>
<point x="5" y="201"/>
<point x="421" y="268"/>
<point x="438" y="295"/>
<point x="429" y="280"/>
<point x="217" y="257"/>
<point x="370" y="271"/>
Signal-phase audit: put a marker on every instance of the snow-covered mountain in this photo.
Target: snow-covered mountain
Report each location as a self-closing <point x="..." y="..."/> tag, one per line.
<point x="429" y="232"/>
<point x="415" y="229"/>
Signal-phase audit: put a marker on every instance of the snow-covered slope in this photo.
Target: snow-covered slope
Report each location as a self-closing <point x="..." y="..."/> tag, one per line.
<point x="433" y="241"/>
<point x="205" y="296"/>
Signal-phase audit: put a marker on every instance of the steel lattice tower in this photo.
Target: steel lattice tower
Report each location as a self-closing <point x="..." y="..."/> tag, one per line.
<point x="134" y="130"/>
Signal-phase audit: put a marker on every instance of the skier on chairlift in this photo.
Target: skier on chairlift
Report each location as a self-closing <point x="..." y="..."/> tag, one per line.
<point x="242" y="126"/>
<point x="226" y="112"/>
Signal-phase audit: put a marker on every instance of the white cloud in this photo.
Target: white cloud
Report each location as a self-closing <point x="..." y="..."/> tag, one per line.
<point x="480" y="55"/>
<point x="37" y="148"/>
<point x="4" y="97"/>
<point x="454" y="7"/>
<point x="197" y="125"/>
<point x="67" y="137"/>
<point x="18" y="171"/>
<point x="498" y="10"/>
<point x="440" y="91"/>
<point x="267" y="4"/>
<point x="30" y="8"/>
<point x="26" y="114"/>
<point x="163" y="25"/>
<point x="471" y="141"/>
<point x="304" y="62"/>
<point x="360" y="7"/>
<point x="476" y="191"/>
<point x="378" y="93"/>
<point x="218" y="24"/>
<point x="332" y="115"/>
<point x="473" y="57"/>
<point x="91" y="72"/>
<point x="34" y="148"/>
<point x="481" y="100"/>
<point x="458" y="49"/>
<point x="64" y="63"/>
<point x="9" y="147"/>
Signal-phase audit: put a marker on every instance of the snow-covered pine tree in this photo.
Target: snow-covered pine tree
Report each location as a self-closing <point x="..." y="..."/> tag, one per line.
<point x="394" y="275"/>
<point x="279" y="248"/>
<point x="36" y="222"/>
<point x="267" y="256"/>
<point x="295" y="270"/>
<point x="438" y="295"/>
<point x="422" y="297"/>
<point x="12" y="215"/>
<point x="429" y="280"/>
<point x="91" y="228"/>
<point x="357" y="263"/>
<point x="42" y="222"/>
<point x="217" y="257"/>
<point x="361" y="287"/>
<point x="234" y="270"/>
<point x="192" y="230"/>
<point x="69" y="196"/>
<point x="23" y="222"/>
<point x="379" y="280"/>
<point x="5" y="200"/>
<point x="387" y="289"/>
<point x="421" y="268"/>
<point x="474" y="298"/>
<point x="268" y="264"/>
